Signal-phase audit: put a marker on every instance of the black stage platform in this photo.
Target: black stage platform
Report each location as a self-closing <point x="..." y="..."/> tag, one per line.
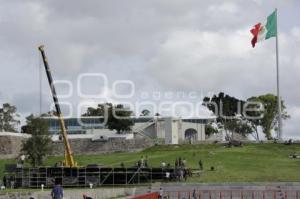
<point x="82" y="176"/>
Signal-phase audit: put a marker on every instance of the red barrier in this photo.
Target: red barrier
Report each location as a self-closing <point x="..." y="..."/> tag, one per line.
<point x="147" y="196"/>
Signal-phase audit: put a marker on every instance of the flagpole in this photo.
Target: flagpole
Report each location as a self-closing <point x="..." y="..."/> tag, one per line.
<point x="279" y="136"/>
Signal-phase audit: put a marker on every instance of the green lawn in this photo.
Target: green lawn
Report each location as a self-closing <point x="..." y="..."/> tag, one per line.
<point x="251" y="163"/>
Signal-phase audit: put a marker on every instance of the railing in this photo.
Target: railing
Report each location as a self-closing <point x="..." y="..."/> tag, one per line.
<point x="232" y="194"/>
<point x="140" y="129"/>
<point x="83" y="177"/>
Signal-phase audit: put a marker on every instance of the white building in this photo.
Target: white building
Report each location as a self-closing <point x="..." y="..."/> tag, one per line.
<point x="172" y="130"/>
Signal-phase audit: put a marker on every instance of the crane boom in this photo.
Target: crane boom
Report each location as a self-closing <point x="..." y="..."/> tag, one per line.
<point x="69" y="159"/>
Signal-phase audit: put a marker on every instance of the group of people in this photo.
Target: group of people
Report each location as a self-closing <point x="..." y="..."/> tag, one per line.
<point x="180" y="162"/>
<point x="142" y="163"/>
<point x="181" y="171"/>
<point x="179" y="174"/>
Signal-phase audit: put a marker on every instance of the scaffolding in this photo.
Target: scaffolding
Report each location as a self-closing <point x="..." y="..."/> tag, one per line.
<point x="83" y="176"/>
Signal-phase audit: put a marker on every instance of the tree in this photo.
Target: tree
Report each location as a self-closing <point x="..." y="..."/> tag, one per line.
<point x="99" y="111"/>
<point x="223" y="105"/>
<point x="210" y="129"/>
<point x="39" y="145"/>
<point x="120" y="119"/>
<point x="118" y="116"/>
<point x="240" y="126"/>
<point x="8" y="118"/>
<point x="225" y="108"/>
<point x="269" y="121"/>
<point x="145" y="112"/>
<point x="254" y="123"/>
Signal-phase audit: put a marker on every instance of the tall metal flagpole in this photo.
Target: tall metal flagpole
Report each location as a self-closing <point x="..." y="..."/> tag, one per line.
<point x="278" y="88"/>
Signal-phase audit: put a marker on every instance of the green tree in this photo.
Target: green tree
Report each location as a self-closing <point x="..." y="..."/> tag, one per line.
<point x="226" y="108"/>
<point x="120" y="119"/>
<point x="223" y="105"/>
<point x="253" y="121"/>
<point x="145" y="112"/>
<point x="118" y="116"/>
<point x="269" y="121"/>
<point x="39" y="145"/>
<point x="8" y="118"/>
<point x="210" y="129"/>
<point x="99" y="111"/>
<point x="240" y="126"/>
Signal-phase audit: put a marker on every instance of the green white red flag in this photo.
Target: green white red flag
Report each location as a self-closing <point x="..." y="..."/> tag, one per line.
<point x="263" y="31"/>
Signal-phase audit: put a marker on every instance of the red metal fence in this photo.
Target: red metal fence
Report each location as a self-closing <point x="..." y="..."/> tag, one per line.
<point x="234" y="194"/>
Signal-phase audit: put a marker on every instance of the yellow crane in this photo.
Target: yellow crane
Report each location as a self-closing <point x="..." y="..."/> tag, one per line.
<point x="69" y="159"/>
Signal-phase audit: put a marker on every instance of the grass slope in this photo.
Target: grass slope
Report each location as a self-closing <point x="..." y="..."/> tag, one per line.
<point x="251" y="163"/>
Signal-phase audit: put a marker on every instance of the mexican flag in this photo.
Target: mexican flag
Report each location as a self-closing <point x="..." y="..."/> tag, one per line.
<point x="263" y="31"/>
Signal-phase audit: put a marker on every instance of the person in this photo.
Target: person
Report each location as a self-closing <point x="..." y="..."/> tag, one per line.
<point x="194" y="194"/>
<point x="139" y="164"/>
<point x="176" y="163"/>
<point x="142" y="162"/>
<point x="57" y="192"/>
<point x="122" y="165"/>
<point x="167" y="176"/>
<point x="4" y="181"/>
<point x="183" y="162"/>
<point x="185" y="174"/>
<point x="161" y="193"/>
<point x="181" y="172"/>
<point x="179" y="162"/>
<point x="146" y="162"/>
<point x="168" y="166"/>
<point x="22" y="159"/>
<point x="200" y="165"/>
<point x="12" y="182"/>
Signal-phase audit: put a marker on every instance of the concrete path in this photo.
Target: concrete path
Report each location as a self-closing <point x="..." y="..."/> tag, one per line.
<point x="179" y="191"/>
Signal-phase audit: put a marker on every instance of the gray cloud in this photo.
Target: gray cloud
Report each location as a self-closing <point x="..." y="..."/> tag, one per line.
<point x="160" y="45"/>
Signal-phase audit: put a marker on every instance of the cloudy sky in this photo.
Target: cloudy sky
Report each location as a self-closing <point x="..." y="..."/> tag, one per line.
<point x="190" y="47"/>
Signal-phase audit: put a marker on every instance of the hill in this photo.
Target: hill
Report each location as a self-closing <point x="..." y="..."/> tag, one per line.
<point x="251" y="163"/>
